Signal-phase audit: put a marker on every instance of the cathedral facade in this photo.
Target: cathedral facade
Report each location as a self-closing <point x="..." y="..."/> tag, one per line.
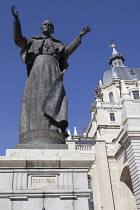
<point x="115" y="128"/>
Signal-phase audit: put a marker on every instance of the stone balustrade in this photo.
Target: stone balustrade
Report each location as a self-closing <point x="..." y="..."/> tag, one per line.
<point x="83" y="147"/>
<point x="111" y="105"/>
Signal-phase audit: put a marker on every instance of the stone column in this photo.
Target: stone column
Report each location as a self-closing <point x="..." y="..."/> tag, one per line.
<point x="133" y="155"/>
<point x="104" y="176"/>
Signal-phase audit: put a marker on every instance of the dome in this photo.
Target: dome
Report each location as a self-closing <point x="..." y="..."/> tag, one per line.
<point x="124" y="73"/>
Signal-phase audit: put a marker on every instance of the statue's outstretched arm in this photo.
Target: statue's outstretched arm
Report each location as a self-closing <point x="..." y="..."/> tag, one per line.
<point x="85" y="30"/>
<point x="15" y="14"/>
<point x="76" y="42"/>
<point x="19" y="40"/>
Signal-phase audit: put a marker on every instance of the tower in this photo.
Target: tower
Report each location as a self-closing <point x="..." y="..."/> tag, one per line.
<point x="115" y="127"/>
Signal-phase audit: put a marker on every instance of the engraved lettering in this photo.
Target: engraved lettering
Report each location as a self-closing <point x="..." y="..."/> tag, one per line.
<point x="36" y="134"/>
<point x="43" y="181"/>
<point x="25" y="137"/>
<point x="51" y="134"/>
<point x="56" y="136"/>
<point x="32" y="134"/>
<point x="50" y="180"/>
<point x="40" y="134"/>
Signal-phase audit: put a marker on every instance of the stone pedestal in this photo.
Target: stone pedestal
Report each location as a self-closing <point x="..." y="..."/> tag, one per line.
<point x="44" y="179"/>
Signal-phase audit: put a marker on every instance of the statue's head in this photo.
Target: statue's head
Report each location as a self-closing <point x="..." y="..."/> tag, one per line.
<point x="47" y="27"/>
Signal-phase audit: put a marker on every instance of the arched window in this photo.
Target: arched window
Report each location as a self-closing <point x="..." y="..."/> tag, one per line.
<point x="127" y="188"/>
<point x="119" y="63"/>
<point x="114" y="64"/>
<point x="111" y="97"/>
<point x="90" y="200"/>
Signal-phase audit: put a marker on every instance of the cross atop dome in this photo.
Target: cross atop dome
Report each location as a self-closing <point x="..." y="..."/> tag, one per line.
<point x="116" y="60"/>
<point x="114" y="52"/>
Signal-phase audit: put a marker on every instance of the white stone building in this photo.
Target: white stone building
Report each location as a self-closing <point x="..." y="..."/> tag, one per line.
<point x="115" y="128"/>
<point x="98" y="171"/>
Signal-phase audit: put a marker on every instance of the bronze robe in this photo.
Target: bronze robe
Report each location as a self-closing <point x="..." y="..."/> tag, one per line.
<point x="44" y="102"/>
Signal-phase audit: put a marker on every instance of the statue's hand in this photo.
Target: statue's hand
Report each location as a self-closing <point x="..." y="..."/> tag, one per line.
<point x="85" y="31"/>
<point x="15" y="14"/>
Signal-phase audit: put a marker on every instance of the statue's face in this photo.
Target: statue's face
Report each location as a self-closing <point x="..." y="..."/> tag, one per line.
<point x="47" y="27"/>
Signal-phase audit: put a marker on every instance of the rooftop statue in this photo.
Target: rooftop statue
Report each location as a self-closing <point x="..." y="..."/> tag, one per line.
<point x="44" y="102"/>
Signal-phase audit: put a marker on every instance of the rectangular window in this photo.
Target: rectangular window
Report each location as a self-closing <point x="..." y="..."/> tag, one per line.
<point x="112" y="116"/>
<point x="135" y="94"/>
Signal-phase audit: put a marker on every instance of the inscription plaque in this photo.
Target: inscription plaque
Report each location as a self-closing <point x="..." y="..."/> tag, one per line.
<point x="43" y="181"/>
<point x="42" y="135"/>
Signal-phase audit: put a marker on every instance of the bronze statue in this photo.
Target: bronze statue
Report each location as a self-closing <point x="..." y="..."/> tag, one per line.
<point x="44" y="103"/>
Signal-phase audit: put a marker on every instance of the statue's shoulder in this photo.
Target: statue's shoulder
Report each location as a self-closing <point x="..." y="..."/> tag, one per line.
<point x="43" y="37"/>
<point x="56" y="40"/>
<point x="37" y="37"/>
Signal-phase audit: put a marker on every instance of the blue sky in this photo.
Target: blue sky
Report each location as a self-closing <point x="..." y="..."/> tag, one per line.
<point x="109" y="19"/>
